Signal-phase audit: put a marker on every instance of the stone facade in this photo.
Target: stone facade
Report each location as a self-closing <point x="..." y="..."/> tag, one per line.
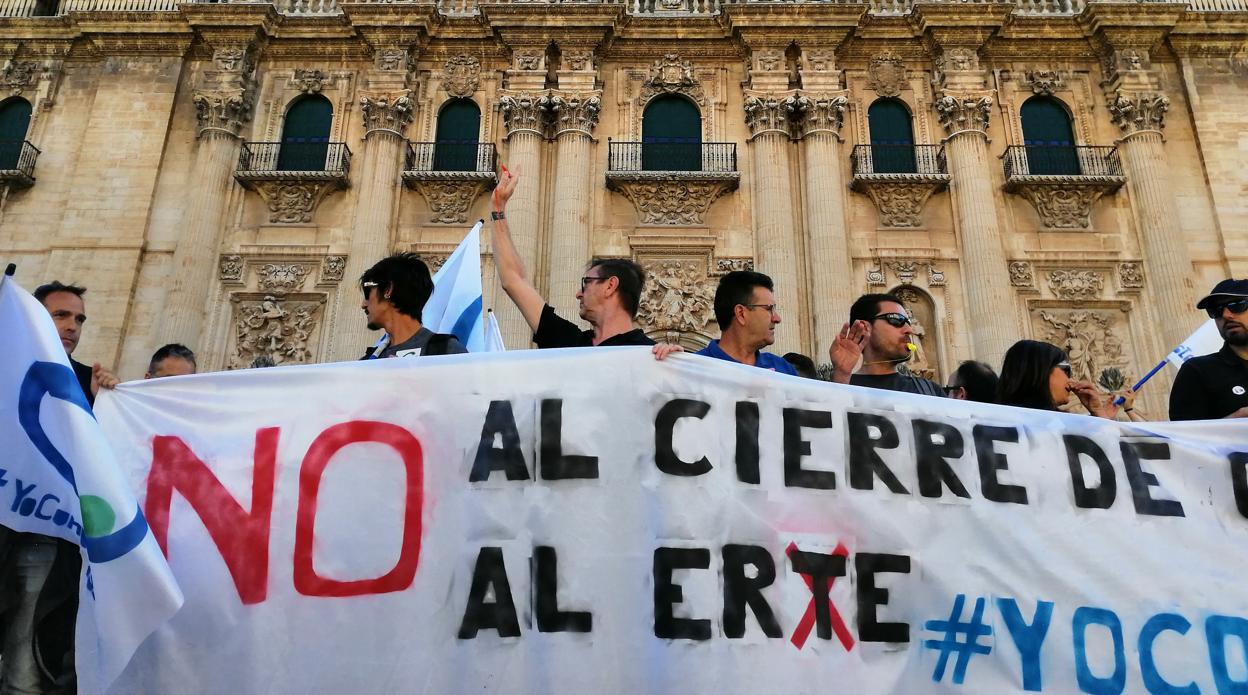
<point x="140" y="135"/>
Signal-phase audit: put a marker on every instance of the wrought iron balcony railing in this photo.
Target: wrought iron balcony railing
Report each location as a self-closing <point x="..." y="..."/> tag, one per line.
<point x="451" y="160"/>
<point x="1062" y="160"/>
<point x="294" y="160"/>
<point x="684" y="157"/>
<point x="17" y="162"/>
<point x="879" y="161"/>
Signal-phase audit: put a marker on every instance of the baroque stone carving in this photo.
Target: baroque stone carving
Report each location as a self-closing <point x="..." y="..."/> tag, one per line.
<point x="935" y="277"/>
<point x="1131" y="275"/>
<point x="678" y="297"/>
<point x="332" y="268"/>
<point x="450" y="200"/>
<point x="816" y="113"/>
<point x="527" y="60"/>
<point x="1021" y="274"/>
<point x="461" y="75"/>
<point x="580" y="61"/>
<point x="819" y="61"/>
<point x="524" y="112"/>
<point x="273" y="327"/>
<point x="222" y="110"/>
<point x="669" y="75"/>
<point x="282" y="277"/>
<point x="231" y="268"/>
<point x="575" y="112"/>
<point x="309" y="81"/>
<point x="964" y="112"/>
<point x="1064" y="206"/>
<point x="768" y="60"/>
<point x="1043" y="81"/>
<point x="385" y="111"/>
<point x="392" y="59"/>
<point x="435" y="261"/>
<point x="875" y="275"/>
<point x="1092" y="338"/>
<point x="293" y="202"/>
<point x="900" y="203"/>
<point x="672" y="200"/>
<point x="766" y="113"/>
<point x="18" y="76"/>
<point x="1076" y="284"/>
<point x="886" y="74"/>
<point x="231" y="59"/>
<point x="905" y="270"/>
<point x="728" y="265"/>
<point x="1134" y="113"/>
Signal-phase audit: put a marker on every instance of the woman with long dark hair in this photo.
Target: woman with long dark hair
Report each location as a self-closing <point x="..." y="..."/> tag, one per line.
<point x="1036" y="375"/>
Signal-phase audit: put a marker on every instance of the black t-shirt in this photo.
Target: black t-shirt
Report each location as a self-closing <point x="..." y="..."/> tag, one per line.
<point x="1210" y="387"/>
<point x="554" y="331"/>
<point x="83" y="372"/>
<point x="898" y="382"/>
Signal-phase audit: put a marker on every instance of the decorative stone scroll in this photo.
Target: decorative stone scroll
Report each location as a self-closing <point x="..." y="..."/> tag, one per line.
<point x="231" y="268"/>
<point x="728" y="265"/>
<point x="387" y="112"/>
<point x="1134" y="113"/>
<point x="899" y="203"/>
<point x="1043" y="81"/>
<point x="333" y="268"/>
<point x="293" y="202"/>
<point x="875" y="275"/>
<point x="1065" y="202"/>
<point x="960" y="113"/>
<point x="1076" y="284"/>
<point x="671" y="75"/>
<point x="232" y="59"/>
<point x="679" y="296"/>
<point x="461" y="75"/>
<point x="450" y="199"/>
<point x="671" y="199"/>
<point x="392" y="59"/>
<point x="281" y="329"/>
<point x="886" y="74"/>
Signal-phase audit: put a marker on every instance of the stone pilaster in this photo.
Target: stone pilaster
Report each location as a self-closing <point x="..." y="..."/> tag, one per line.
<point x="223" y="104"/>
<point x="524" y="118"/>
<point x="574" y="116"/>
<point x="819" y="118"/>
<point x="776" y="244"/>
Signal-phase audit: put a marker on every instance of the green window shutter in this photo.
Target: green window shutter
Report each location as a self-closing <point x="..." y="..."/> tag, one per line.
<point x="14" y="121"/>
<point x="671" y="135"/>
<point x="305" y="135"/>
<point x="892" y="138"/>
<point x="459" y="129"/>
<point x="1049" y="137"/>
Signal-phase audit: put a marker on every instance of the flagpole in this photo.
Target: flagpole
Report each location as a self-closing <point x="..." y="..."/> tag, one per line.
<point x="1122" y="399"/>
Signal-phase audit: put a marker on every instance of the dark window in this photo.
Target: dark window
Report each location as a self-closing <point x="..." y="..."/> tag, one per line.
<point x="305" y="135"/>
<point x="892" y="139"/>
<point x="14" y="121"/>
<point x="459" y="125"/>
<point x="1049" y="137"/>
<point x="671" y="135"/>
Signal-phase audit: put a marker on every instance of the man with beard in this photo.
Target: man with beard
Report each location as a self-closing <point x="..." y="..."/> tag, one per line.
<point x="395" y="292"/>
<point x="879" y="331"/>
<point x="1216" y="386"/>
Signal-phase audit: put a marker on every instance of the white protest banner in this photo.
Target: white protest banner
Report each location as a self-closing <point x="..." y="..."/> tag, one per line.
<point x="586" y="521"/>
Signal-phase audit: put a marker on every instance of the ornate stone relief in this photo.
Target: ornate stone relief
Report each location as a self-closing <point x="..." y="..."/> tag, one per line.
<point x="386" y="111"/>
<point x="815" y="113"/>
<point x="525" y="112"/>
<point x="935" y="278"/>
<point x="435" y="261"/>
<point x="728" y="265"/>
<point x="280" y="328"/>
<point x="18" y="76"/>
<point x="766" y="113"/>
<point x="231" y="268"/>
<point x="959" y="59"/>
<point x="1092" y="338"/>
<point x="678" y="297"/>
<point x="1076" y="284"/>
<point x="527" y="60"/>
<point x="875" y="275"/>
<point x="450" y="200"/>
<point x="1131" y="275"/>
<point x="959" y="113"/>
<point x="665" y="199"/>
<point x="293" y="202"/>
<point x="886" y="74"/>
<point x="1043" y="81"/>
<point x="222" y="110"/>
<point x="1068" y="204"/>
<point x="309" y="81"/>
<point x="767" y="60"/>
<point x="579" y="61"/>
<point x="575" y="112"/>
<point x="900" y="203"/>
<point x="819" y="61"/>
<point x="231" y="59"/>
<point x="1134" y="113"/>
<point x="906" y="270"/>
<point x="1022" y="275"/>
<point x="671" y="75"/>
<point x="282" y="278"/>
<point x="332" y="268"/>
<point x="392" y="59"/>
<point x="461" y="75"/>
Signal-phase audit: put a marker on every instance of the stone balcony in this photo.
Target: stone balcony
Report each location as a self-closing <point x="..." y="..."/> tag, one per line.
<point x="899" y="179"/>
<point x="1063" y="182"/>
<point x="293" y="177"/>
<point x="450" y="176"/>
<point x="672" y="183"/>
<point x="17" y="163"/>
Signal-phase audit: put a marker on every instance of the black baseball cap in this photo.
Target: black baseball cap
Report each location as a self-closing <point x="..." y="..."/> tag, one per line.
<point x="1226" y="290"/>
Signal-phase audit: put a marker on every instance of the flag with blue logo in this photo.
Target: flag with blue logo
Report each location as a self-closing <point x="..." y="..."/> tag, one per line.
<point x="59" y="478"/>
<point x="1206" y="340"/>
<point x="456" y="304"/>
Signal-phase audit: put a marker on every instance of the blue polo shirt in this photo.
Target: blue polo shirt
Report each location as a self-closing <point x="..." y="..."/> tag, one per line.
<point x="763" y="360"/>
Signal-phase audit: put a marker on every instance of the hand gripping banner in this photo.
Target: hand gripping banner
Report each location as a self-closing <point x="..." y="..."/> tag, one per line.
<point x="592" y="520"/>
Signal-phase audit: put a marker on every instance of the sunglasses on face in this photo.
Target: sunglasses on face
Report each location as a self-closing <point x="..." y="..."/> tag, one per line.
<point x="893" y="319"/>
<point x="588" y="279"/>
<point x="1238" y="306"/>
<point x="1065" y="367"/>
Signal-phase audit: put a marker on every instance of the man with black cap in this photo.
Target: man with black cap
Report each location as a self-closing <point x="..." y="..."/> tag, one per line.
<point x="1216" y="386"/>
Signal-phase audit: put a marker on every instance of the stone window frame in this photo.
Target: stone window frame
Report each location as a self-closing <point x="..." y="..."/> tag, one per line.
<point x="712" y="105"/>
<point x="279" y="90"/>
<point x="1075" y="94"/>
<point x="431" y="97"/>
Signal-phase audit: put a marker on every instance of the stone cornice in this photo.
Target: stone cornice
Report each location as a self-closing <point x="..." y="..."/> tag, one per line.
<point x="571" y="15"/>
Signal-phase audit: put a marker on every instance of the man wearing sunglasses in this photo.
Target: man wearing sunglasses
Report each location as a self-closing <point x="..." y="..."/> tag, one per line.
<point x="879" y="331"/>
<point x="745" y="309"/>
<point x="1216" y="386"/>
<point x="395" y="292"/>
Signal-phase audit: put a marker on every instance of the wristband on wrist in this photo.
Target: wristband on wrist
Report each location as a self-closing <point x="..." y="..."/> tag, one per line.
<point x="1127" y="410"/>
<point x="497" y="215"/>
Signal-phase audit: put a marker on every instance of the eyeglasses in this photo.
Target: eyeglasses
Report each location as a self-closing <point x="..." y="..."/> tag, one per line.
<point x="366" y="286"/>
<point x="771" y="308"/>
<point x="1065" y="367"/>
<point x="951" y="389"/>
<point x="893" y="319"/>
<point x="1238" y="306"/>
<point x="588" y="279"/>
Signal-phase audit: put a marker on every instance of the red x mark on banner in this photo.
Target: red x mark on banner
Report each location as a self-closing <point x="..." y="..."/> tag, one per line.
<point x="807" y="623"/>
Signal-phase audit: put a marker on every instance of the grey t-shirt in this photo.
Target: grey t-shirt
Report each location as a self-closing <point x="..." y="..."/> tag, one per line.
<point x="898" y="382"/>
<point x="415" y="345"/>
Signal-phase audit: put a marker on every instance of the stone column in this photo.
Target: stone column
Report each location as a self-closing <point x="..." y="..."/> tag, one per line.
<point x="774" y="239"/>
<point x="574" y="118"/>
<point x="524" y="118"/>
<point x="992" y="320"/>
<point x="378" y="177"/>
<point x="1166" y="262"/>
<point x="222" y="105"/>
<point x="832" y="289"/>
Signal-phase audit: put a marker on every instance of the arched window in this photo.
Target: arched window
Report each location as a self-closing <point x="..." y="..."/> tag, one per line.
<point x="671" y="135"/>
<point x="305" y="134"/>
<point x="456" y="143"/>
<point x="14" y="121"/>
<point x="1049" y="137"/>
<point x="892" y="138"/>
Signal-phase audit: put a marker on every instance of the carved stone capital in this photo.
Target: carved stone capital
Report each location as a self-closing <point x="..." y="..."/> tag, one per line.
<point x="960" y="113"/>
<point x="1064" y="205"/>
<point x="766" y="113"/>
<point x="1135" y="113"/>
<point x="391" y="112"/>
<point x="293" y="202"/>
<point x="817" y="113"/>
<point x="450" y="200"/>
<point x="461" y="75"/>
<point x="575" y="113"/>
<point x="672" y="199"/>
<point x="222" y="111"/>
<point x="525" y="112"/>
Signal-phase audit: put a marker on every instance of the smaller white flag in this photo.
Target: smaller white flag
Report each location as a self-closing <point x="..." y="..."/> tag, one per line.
<point x="1206" y="340"/>
<point x="493" y="334"/>
<point x="455" y="306"/>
